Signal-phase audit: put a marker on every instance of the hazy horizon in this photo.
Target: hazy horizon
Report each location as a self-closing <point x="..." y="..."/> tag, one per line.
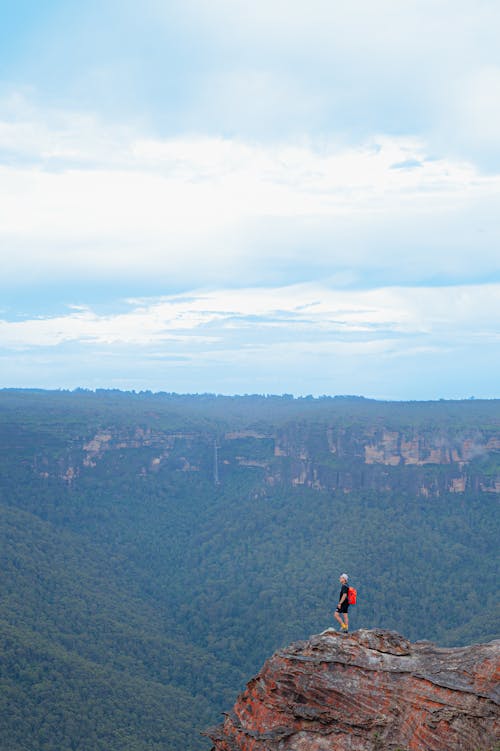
<point x="260" y="395"/>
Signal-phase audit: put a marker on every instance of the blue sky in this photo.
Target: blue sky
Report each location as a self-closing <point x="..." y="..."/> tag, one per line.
<point x="269" y="197"/>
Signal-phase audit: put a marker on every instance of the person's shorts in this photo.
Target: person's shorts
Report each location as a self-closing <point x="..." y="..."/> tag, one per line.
<point x="344" y="607"/>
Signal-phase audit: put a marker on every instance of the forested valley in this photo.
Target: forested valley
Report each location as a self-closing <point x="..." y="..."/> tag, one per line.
<point x="157" y="548"/>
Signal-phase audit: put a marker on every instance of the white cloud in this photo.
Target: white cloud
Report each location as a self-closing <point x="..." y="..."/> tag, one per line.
<point x="302" y="318"/>
<point x="472" y="120"/>
<point x="252" y="146"/>
<point x="78" y="201"/>
<point x="55" y="138"/>
<point x="348" y="68"/>
<point x="139" y="327"/>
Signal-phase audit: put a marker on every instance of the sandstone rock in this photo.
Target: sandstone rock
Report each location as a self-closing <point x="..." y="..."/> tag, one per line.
<point x="369" y="691"/>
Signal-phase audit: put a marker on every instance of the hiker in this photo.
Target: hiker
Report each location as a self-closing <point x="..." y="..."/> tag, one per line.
<point x="341" y="613"/>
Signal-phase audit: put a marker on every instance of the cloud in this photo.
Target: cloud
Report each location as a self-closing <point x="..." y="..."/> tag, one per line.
<point x="307" y="315"/>
<point x="471" y="123"/>
<point x="310" y="338"/>
<point x="407" y="164"/>
<point x="272" y="71"/>
<point x="81" y="201"/>
<point x="331" y="171"/>
<point x="351" y="69"/>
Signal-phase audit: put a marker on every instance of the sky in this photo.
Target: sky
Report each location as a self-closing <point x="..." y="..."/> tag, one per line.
<point x="269" y="197"/>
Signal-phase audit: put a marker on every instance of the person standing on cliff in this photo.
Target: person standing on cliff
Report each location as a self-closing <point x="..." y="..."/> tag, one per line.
<point x="341" y="613"/>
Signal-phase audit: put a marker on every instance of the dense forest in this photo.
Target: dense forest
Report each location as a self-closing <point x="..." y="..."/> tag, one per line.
<point x="156" y="548"/>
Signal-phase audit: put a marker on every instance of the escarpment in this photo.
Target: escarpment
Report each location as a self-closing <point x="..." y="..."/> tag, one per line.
<point x="369" y="691"/>
<point x="328" y="457"/>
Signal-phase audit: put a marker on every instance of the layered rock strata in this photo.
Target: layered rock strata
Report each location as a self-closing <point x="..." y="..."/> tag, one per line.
<point x="369" y="691"/>
<point x="427" y="462"/>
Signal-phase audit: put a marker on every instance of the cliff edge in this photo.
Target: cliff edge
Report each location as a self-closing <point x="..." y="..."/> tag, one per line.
<point x="368" y="691"/>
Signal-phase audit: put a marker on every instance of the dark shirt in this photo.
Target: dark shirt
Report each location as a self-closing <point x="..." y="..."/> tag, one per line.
<point x="343" y="590"/>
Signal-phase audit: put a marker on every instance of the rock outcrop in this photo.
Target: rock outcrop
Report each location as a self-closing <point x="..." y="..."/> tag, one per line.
<point x="369" y="691"/>
<point x="426" y="462"/>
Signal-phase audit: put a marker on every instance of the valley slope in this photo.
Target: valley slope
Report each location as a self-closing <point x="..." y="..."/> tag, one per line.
<point x="157" y="548"/>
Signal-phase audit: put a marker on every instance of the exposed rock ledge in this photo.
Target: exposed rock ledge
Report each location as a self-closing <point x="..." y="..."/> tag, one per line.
<point x="369" y="691"/>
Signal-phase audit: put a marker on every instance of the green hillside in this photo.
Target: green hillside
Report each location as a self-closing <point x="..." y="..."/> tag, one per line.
<point x="138" y="594"/>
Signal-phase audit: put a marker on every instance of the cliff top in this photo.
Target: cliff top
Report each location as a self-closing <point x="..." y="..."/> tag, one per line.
<point x="372" y="689"/>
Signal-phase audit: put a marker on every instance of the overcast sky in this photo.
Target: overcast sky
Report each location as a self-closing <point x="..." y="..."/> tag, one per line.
<point x="266" y="197"/>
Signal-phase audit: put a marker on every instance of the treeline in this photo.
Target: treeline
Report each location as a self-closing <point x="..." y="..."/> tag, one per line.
<point x="85" y="410"/>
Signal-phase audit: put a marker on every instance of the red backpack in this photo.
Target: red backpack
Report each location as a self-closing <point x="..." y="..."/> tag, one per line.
<point x="351" y="596"/>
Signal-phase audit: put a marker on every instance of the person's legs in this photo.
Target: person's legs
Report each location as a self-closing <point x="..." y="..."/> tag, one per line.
<point x="343" y="619"/>
<point x="337" y="617"/>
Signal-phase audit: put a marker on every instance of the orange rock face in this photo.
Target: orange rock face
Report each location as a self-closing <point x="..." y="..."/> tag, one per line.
<point x="369" y="691"/>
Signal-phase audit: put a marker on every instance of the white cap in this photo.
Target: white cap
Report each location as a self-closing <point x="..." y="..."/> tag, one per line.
<point x="344" y="576"/>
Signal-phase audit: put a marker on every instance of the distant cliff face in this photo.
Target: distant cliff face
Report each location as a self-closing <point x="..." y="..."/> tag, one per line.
<point x="425" y="462"/>
<point x="369" y="691"/>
